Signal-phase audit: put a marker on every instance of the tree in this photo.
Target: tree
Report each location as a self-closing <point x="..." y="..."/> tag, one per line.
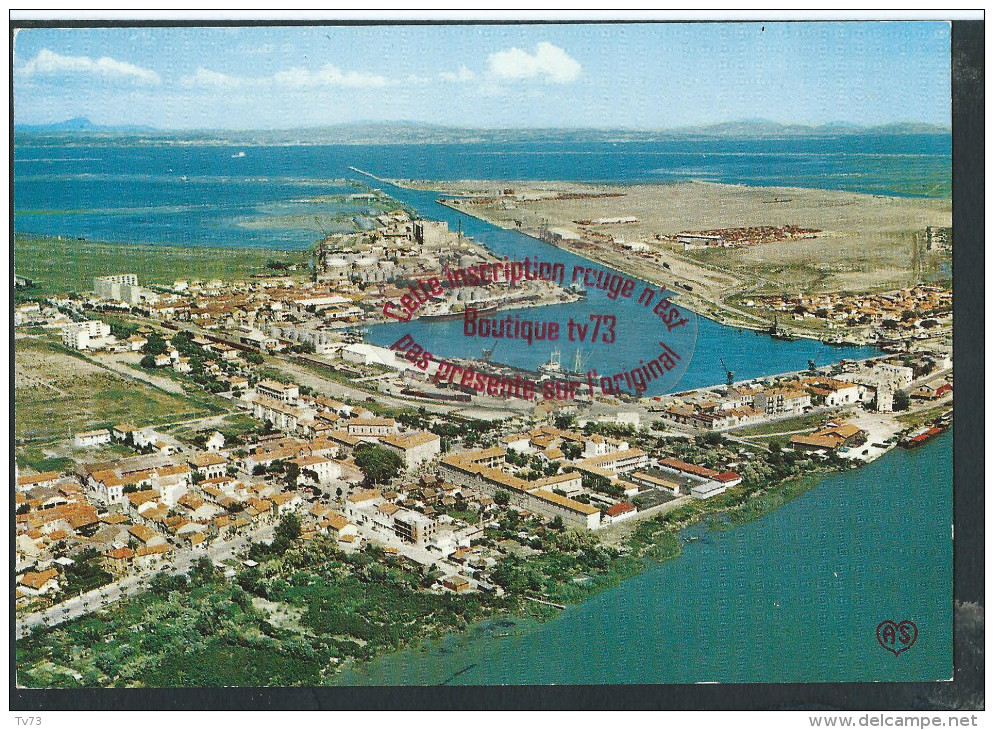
<point x="163" y="583"/>
<point x="252" y="581"/>
<point x="378" y="465"/>
<point x="254" y="358"/>
<point x="902" y="401"/>
<point x="292" y="473"/>
<point x="502" y="498"/>
<point x="154" y="344"/>
<point x="288" y="528"/>
<point x="557" y="523"/>
<point x="148" y="362"/>
<point x="596" y="482"/>
<point x="710" y="438"/>
<point x="202" y="571"/>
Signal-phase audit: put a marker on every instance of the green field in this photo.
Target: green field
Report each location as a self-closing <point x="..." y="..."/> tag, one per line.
<point x="920" y="418"/>
<point x="798" y="423"/>
<point x="232" y="427"/>
<point x="58" y="266"/>
<point x="57" y="393"/>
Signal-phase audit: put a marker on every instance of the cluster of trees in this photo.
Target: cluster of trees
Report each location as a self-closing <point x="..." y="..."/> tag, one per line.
<point x="85" y="574"/>
<point x="563" y="555"/>
<point x="122" y="331"/>
<point x="513" y="457"/>
<point x="902" y="401"/>
<point x="616" y="430"/>
<point x="378" y="465"/>
<point x="289" y="470"/>
<point x="302" y="348"/>
<point x="286" y="535"/>
<point x="477" y="432"/>
<point x="418" y="419"/>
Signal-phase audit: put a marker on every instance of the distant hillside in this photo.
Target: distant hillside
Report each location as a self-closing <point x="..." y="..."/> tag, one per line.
<point x="765" y="128"/>
<point x="80" y="125"/>
<point x="404" y="132"/>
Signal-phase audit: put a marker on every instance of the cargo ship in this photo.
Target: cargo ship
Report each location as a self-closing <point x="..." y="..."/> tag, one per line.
<point x="779" y="333"/>
<point x="446" y="311"/>
<point x="919" y="437"/>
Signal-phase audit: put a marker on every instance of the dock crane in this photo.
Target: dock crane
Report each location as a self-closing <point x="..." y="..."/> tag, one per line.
<point x="729" y="375"/>
<point x="489" y="352"/>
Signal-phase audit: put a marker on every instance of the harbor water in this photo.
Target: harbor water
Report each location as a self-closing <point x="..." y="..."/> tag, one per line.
<point x="794" y="596"/>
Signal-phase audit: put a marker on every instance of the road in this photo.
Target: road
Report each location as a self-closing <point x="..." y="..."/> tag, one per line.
<point x="119" y="363"/>
<point x="101" y="597"/>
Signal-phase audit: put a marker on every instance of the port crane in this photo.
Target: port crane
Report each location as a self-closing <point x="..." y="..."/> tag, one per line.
<point x="729" y="374"/>
<point x="489" y="352"/>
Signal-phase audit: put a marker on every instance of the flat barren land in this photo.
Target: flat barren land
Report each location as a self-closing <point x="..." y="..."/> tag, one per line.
<point x="856" y="243"/>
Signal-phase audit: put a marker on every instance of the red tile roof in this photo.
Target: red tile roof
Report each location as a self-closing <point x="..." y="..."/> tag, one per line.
<point x="619" y="509"/>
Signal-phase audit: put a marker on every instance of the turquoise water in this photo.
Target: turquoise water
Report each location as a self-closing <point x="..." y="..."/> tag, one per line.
<point x="200" y="195"/>
<point x="793" y="597"/>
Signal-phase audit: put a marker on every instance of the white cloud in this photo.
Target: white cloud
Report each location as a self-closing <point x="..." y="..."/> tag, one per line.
<point x="215" y="79"/>
<point x="327" y="75"/>
<point x="292" y="78"/>
<point x="48" y="62"/>
<point x="548" y="62"/>
<point x="462" y="75"/>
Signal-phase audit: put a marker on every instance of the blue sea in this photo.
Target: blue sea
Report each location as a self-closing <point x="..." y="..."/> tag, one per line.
<point x="204" y="195"/>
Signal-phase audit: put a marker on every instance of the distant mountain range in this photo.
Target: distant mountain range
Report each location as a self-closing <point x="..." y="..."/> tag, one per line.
<point x="80" y="125"/>
<point x="404" y="132"/>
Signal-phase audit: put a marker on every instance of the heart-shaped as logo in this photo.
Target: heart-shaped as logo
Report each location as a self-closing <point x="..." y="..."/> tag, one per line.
<point x="897" y="637"/>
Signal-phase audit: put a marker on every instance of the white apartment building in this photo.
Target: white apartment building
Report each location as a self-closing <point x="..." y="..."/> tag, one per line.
<point x="372" y="427"/>
<point x="92" y="438"/>
<point x="897" y="376"/>
<point x="89" y="335"/>
<point x="120" y="287"/>
<point x="285" y="392"/>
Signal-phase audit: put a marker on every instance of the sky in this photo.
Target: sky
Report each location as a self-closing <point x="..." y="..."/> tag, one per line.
<point x="645" y="76"/>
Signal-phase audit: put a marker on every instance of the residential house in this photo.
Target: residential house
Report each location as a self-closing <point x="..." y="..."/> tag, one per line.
<point x="88" y="439"/>
<point x="43" y="583"/>
<point x="209" y="465"/>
